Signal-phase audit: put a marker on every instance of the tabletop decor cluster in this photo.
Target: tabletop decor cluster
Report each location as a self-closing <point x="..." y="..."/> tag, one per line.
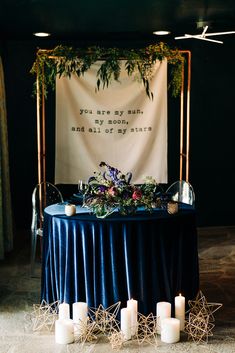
<point x="111" y="189"/>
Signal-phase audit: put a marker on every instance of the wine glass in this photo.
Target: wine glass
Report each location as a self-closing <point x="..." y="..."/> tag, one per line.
<point x="80" y="187"/>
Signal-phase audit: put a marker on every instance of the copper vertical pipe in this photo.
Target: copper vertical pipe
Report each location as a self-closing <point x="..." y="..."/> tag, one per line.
<point x="188" y="116"/>
<point x="39" y="144"/>
<point x="41" y="149"/>
<point x="182" y="124"/>
<point x="43" y="130"/>
<point x="186" y="155"/>
<point x="38" y="127"/>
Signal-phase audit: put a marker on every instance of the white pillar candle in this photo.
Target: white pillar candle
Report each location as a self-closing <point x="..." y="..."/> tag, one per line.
<point x="80" y="312"/>
<point x="180" y="310"/>
<point x="126" y="323"/>
<point x="64" y="333"/>
<point x="64" y="311"/>
<point x="163" y="311"/>
<point x="70" y="210"/>
<point x="132" y="305"/>
<point x="170" y="330"/>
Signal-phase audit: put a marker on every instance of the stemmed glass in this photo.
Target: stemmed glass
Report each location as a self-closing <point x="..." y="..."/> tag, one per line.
<point x="82" y="189"/>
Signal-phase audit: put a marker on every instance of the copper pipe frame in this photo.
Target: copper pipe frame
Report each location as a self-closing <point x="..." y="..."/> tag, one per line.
<point x="38" y="128"/>
<point x="182" y="124"/>
<point x="41" y="143"/>
<point x="41" y="128"/>
<point x="43" y="132"/>
<point x="185" y="155"/>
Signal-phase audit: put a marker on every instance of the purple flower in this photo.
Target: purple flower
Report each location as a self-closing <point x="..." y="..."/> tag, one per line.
<point x="102" y="188"/>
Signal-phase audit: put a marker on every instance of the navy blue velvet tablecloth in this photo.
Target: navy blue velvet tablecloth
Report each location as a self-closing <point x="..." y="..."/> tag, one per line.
<point x="150" y="257"/>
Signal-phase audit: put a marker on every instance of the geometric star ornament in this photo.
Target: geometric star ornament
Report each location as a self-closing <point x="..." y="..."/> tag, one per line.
<point x="116" y="339"/>
<point x="105" y="319"/>
<point x="43" y="316"/>
<point x="147" y="329"/>
<point x="200" y="304"/>
<point x="199" y="324"/>
<point x="99" y="321"/>
<point x="85" y="331"/>
<point x="198" y="327"/>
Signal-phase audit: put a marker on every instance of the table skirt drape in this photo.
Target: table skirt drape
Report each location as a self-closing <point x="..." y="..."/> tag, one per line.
<point x="148" y="257"/>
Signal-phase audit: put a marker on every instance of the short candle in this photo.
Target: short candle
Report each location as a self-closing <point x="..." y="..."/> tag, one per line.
<point x="64" y="333"/>
<point x="70" y="210"/>
<point x="172" y="207"/>
<point x="170" y="330"/>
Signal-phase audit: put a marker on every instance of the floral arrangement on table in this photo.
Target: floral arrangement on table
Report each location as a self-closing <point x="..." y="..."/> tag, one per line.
<point x="111" y="189"/>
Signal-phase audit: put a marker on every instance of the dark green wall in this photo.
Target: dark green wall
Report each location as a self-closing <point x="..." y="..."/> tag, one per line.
<point x="212" y="171"/>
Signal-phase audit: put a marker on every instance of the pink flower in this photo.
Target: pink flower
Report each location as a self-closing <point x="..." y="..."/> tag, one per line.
<point x="112" y="191"/>
<point x="137" y="195"/>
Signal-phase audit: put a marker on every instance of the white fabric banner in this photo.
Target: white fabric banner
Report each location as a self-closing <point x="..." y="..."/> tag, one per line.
<point x="119" y="125"/>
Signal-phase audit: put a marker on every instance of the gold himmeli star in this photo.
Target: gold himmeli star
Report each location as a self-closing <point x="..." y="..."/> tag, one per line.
<point x="200" y="304"/>
<point x="105" y="319"/>
<point x="85" y="331"/>
<point x="116" y="339"/>
<point x="199" y="324"/>
<point x="43" y="316"/>
<point x="198" y="327"/>
<point x="147" y="329"/>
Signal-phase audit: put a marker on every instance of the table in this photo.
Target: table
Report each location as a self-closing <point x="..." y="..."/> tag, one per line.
<point x="150" y="257"/>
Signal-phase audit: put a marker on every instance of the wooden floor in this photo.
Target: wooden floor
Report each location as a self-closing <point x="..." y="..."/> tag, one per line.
<point x="216" y="247"/>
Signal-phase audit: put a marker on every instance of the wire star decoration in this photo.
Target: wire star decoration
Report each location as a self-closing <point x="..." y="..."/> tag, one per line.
<point x="199" y="325"/>
<point x="43" y="316"/>
<point x="147" y="329"/>
<point x="200" y="304"/>
<point x="105" y="319"/>
<point x="100" y="321"/>
<point x="116" y="339"/>
<point x="85" y="331"/>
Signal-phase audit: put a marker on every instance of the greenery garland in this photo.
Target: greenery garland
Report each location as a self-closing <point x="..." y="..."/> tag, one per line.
<point x="64" y="61"/>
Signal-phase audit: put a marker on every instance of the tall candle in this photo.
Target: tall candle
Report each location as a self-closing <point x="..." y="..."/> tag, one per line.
<point x="132" y="305"/>
<point x="64" y="311"/>
<point x="80" y="311"/>
<point x="64" y="331"/>
<point x="170" y="330"/>
<point x="180" y="310"/>
<point x="163" y="311"/>
<point x="126" y="323"/>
